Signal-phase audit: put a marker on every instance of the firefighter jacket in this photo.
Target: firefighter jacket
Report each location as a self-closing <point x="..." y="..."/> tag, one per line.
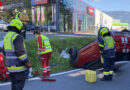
<point x="15" y="52"/>
<point x="43" y="44"/>
<point x="107" y="46"/>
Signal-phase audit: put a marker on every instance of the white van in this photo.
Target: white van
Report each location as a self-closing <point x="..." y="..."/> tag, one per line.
<point x="3" y="25"/>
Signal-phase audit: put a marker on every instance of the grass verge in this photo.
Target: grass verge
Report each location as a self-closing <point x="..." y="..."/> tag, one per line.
<point x="58" y="64"/>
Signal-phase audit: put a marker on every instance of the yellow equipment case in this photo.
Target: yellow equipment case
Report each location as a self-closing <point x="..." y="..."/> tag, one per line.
<point x="90" y="76"/>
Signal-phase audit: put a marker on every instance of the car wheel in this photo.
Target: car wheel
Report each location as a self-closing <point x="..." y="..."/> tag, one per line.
<point x="73" y="54"/>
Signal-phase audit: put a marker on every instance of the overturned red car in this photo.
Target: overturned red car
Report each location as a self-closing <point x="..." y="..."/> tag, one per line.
<point x="89" y="54"/>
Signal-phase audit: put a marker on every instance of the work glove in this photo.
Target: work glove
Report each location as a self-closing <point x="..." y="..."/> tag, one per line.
<point x="28" y="64"/>
<point x="38" y="56"/>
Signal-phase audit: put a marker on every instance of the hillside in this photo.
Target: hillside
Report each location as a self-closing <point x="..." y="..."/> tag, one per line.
<point x="124" y="16"/>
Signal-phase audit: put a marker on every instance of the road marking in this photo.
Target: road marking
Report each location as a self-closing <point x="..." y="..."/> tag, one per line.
<point x="37" y="78"/>
<point x="3" y="84"/>
<point x="61" y="73"/>
<point x="70" y="36"/>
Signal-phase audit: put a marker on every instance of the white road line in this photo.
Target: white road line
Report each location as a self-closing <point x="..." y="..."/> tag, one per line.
<point x="3" y="84"/>
<point x="61" y="73"/>
<point x="37" y="78"/>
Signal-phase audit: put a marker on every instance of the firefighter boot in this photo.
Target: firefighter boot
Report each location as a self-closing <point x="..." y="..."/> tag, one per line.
<point x="105" y="78"/>
<point x="110" y="77"/>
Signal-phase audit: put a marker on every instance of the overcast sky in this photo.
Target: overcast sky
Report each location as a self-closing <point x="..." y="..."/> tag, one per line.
<point x="110" y="5"/>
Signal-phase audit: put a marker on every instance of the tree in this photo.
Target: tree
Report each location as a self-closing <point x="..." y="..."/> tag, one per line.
<point x="9" y="13"/>
<point x="48" y="14"/>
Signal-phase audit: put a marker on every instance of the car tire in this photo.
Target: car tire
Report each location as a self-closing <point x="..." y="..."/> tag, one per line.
<point x="73" y="54"/>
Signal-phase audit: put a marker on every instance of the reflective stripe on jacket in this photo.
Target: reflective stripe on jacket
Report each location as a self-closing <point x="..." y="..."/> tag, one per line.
<point x="14" y="63"/>
<point x="17" y="15"/>
<point x="43" y="45"/>
<point x="107" y="43"/>
<point x="107" y="47"/>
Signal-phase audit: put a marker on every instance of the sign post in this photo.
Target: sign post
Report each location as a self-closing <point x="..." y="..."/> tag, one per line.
<point x="57" y="15"/>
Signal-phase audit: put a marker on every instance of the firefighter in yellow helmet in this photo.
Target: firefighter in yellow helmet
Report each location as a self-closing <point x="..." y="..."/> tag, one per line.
<point x="107" y="49"/>
<point x="16" y="56"/>
<point x="23" y="17"/>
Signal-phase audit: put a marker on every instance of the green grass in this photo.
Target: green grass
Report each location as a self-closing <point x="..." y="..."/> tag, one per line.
<point x="58" y="63"/>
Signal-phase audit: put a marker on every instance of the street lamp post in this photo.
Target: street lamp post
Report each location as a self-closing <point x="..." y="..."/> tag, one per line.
<point x="57" y="15"/>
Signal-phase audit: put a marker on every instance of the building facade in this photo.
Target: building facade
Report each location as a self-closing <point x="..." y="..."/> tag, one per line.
<point x="119" y="26"/>
<point x="102" y="19"/>
<point x="83" y="17"/>
<point x="76" y="16"/>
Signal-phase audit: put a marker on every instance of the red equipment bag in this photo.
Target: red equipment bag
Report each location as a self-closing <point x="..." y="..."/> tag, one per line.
<point x="1" y="61"/>
<point x="3" y="70"/>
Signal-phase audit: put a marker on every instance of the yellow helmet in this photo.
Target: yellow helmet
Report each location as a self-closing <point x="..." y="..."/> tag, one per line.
<point x="104" y="30"/>
<point x="16" y="23"/>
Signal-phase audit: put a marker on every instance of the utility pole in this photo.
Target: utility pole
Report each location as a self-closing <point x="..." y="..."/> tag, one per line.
<point x="57" y="15"/>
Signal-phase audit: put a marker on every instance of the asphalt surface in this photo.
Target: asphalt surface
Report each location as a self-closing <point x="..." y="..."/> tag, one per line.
<point x="30" y="35"/>
<point x="76" y="81"/>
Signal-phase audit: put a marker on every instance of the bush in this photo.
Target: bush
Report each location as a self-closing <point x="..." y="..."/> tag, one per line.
<point x="58" y="64"/>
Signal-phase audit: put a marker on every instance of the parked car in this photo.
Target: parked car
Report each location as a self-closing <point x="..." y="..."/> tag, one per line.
<point x="3" y="25"/>
<point x="50" y="27"/>
<point x="30" y="26"/>
<point x="89" y="54"/>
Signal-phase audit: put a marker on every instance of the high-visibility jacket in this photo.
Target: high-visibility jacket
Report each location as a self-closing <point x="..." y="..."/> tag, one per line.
<point x="15" y="62"/>
<point x="107" y="46"/>
<point x="43" y="44"/>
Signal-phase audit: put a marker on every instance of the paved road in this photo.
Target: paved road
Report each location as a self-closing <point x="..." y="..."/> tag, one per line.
<point x="51" y="35"/>
<point x="76" y="81"/>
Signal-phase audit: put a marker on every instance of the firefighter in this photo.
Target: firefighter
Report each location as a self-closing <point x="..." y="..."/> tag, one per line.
<point x="44" y="52"/>
<point x="16" y="57"/>
<point x="24" y="19"/>
<point x="107" y="49"/>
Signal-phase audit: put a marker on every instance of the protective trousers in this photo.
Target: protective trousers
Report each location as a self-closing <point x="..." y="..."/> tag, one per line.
<point x="108" y="66"/>
<point x="45" y="63"/>
<point x="18" y="80"/>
